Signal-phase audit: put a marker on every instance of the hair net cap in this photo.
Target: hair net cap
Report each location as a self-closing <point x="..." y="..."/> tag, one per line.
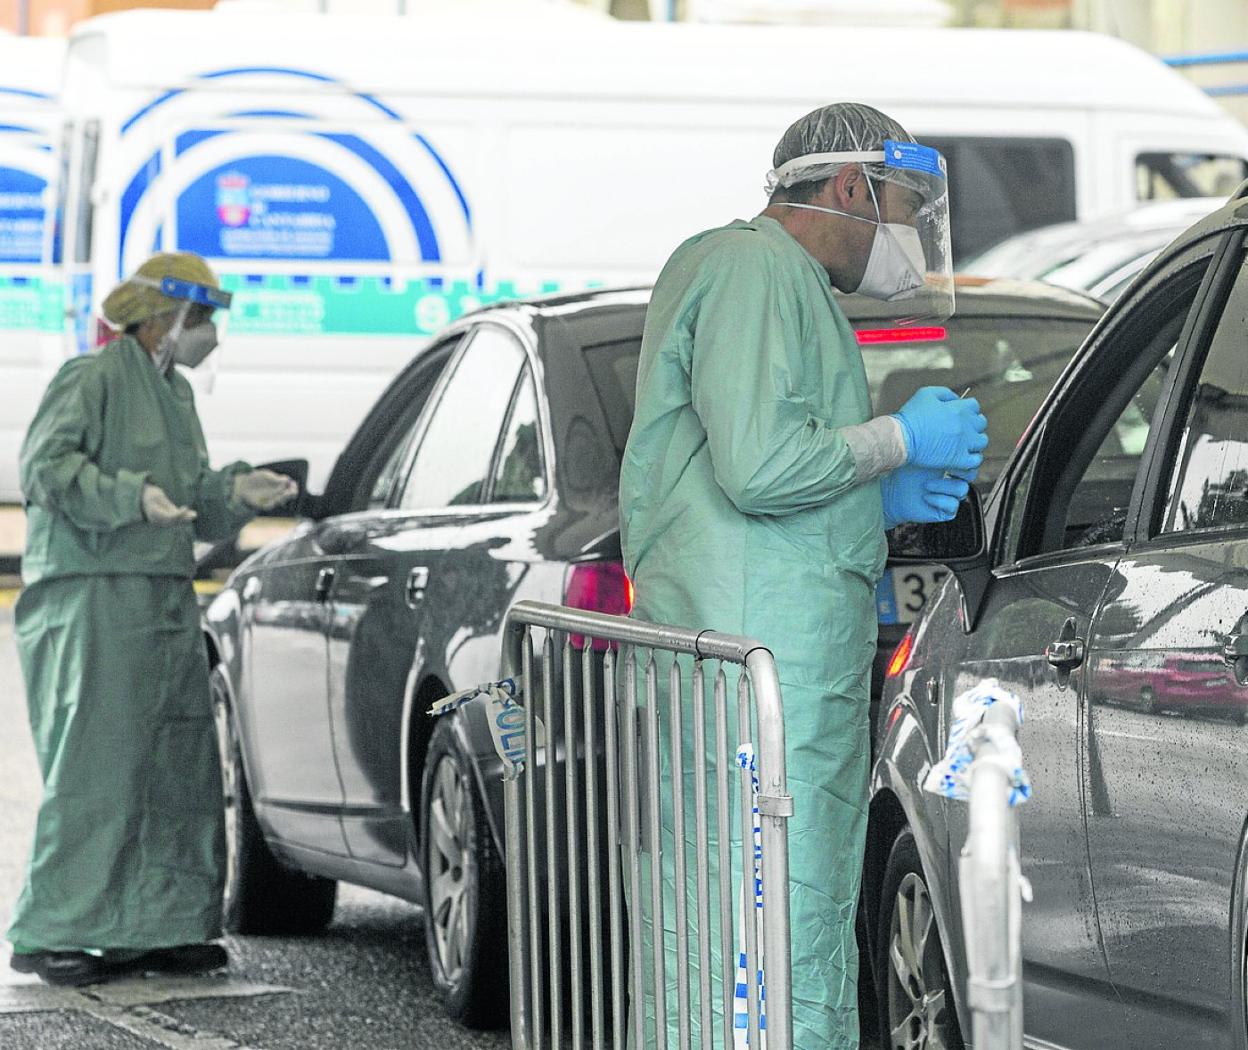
<point x="133" y="301"/>
<point x="842" y="127"/>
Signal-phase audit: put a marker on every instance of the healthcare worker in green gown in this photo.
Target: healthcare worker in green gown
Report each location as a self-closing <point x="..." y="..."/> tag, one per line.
<point x="756" y="488"/>
<point x="127" y="865"/>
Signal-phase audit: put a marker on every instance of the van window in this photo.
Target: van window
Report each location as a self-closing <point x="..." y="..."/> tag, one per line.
<point x="1164" y="176"/>
<point x="62" y="193"/>
<point x="1002" y="186"/>
<point x="85" y="217"/>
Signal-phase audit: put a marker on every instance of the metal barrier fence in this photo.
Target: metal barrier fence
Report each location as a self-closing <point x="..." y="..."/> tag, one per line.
<point x="991" y="887"/>
<point x="599" y="735"/>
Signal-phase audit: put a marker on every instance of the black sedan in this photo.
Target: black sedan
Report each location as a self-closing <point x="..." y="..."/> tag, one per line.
<point x="1106" y="584"/>
<point x="486" y="474"/>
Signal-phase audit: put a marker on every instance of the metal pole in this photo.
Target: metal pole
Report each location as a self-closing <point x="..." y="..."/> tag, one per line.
<point x="516" y="932"/>
<point x="775" y="806"/>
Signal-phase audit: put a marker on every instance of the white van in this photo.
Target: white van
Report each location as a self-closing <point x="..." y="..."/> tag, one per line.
<point x="32" y="313"/>
<point x="360" y="181"/>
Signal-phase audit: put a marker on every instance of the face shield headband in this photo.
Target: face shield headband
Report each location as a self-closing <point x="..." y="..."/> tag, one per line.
<point x="911" y="260"/>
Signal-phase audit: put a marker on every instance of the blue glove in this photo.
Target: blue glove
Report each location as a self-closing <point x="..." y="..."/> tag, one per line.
<point x="943" y="430"/>
<point x="920" y="494"/>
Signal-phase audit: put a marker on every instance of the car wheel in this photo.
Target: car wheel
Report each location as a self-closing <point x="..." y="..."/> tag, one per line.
<point x="1149" y="703"/>
<point x="262" y="895"/>
<point x="916" y="1004"/>
<point x="465" y="896"/>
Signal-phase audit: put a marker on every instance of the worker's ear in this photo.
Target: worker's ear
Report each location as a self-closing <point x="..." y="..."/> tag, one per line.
<point x="845" y="188"/>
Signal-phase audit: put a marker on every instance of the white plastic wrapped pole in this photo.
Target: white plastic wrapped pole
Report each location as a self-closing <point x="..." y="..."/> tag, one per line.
<point x="992" y="886"/>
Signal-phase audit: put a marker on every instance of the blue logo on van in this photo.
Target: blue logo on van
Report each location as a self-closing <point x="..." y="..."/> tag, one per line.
<point x="275" y="207"/>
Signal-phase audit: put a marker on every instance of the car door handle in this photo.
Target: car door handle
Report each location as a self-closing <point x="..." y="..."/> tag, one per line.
<point x="417" y="581"/>
<point x="1065" y="655"/>
<point x="324" y="584"/>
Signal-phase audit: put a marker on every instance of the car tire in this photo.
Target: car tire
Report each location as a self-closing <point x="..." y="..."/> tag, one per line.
<point x="915" y="996"/>
<point x="262" y="895"/>
<point x="465" y="888"/>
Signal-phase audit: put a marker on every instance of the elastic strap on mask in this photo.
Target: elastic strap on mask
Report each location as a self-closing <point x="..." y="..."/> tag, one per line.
<point x="828" y="211"/>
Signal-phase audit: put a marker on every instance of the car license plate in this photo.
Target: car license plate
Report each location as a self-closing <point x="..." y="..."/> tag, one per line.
<point x="903" y="592"/>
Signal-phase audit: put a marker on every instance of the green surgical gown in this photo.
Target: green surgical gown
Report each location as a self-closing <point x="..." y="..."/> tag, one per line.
<point x="742" y="511"/>
<point x="129" y="843"/>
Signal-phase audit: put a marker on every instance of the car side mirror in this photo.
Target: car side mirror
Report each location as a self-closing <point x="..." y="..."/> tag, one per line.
<point x="297" y="471"/>
<point x="961" y="545"/>
<point x="950" y="543"/>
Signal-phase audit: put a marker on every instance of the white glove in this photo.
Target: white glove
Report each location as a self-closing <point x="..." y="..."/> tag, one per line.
<point x="264" y="489"/>
<point x="159" y="509"/>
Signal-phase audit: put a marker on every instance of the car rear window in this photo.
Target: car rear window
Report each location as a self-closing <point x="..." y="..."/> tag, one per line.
<point x="613" y="372"/>
<point x="1008" y="363"/>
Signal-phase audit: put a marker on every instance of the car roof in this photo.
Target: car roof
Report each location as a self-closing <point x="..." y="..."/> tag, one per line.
<point x="1036" y="252"/>
<point x="976" y="297"/>
<point x="1234" y="213"/>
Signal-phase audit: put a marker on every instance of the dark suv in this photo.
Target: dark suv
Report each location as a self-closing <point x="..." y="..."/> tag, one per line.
<point x="1106" y="584"/>
<point x="485" y="474"/>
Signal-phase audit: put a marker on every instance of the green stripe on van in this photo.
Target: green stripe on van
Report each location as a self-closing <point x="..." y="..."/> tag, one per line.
<point x="280" y="305"/>
<point x="31" y="303"/>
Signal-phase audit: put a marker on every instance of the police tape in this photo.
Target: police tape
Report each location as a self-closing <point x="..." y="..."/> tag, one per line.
<point x="506" y="718"/>
<point x="741" y="1019"/>
<point x="951" y="776"/>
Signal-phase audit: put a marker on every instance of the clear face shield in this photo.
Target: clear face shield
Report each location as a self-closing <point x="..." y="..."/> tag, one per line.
<point x="193" y="340"/>
<point x="910" y="269"/>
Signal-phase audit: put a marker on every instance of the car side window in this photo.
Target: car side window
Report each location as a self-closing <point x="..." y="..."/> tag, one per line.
<point x="521" y="473"/>
<point x="389" y="473"/>
<point x="1209" y="483"/>
<point x="1077" y="489"/>
<point x="452" y="463"/>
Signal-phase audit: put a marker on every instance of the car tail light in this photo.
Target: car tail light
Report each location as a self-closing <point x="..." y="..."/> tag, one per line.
<point x="598" y="586"/>
<point x="900" y="659"/>
<point x="869" y="336"/>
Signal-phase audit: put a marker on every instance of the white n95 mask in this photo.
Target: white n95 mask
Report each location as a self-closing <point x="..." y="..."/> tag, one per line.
<point x="194" y="344"/>
<point x="896" y="265"/>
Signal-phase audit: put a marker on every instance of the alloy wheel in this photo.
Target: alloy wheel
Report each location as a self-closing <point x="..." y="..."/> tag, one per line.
<point x="229" y="786"/>
<point x="450" y="865"/>
<point x="918" y="1009"/>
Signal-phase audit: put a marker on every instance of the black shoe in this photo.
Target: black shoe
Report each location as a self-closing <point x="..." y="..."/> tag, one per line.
<point x="184" y="959"/>
<point x="66" y="968"/>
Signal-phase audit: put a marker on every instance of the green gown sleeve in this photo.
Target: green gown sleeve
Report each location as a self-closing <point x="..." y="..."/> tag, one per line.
<point x="770" y="454"/>
<point x="219" y="515"/>
<point x="58" y="469"/>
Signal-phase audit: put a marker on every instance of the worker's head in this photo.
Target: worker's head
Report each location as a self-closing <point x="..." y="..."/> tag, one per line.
<point x="864" y="198"/>
<point x="168" y="306"/>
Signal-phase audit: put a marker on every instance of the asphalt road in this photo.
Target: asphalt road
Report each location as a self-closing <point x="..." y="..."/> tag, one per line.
<point x="362" y="985"/>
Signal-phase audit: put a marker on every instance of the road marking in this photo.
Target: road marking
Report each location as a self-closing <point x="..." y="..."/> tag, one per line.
<point x="127" y="1005"/>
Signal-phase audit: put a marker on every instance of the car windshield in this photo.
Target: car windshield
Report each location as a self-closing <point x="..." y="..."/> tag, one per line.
<point x="1008" y="363"/>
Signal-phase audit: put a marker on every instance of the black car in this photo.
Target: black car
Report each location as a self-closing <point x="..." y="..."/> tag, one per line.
<point x="486" y="473"/>
<point x="1106" y="584"/>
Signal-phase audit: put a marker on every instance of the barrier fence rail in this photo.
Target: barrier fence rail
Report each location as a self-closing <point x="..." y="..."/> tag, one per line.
<point x="992" y="886"/>
<point x="615" y="716"/>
